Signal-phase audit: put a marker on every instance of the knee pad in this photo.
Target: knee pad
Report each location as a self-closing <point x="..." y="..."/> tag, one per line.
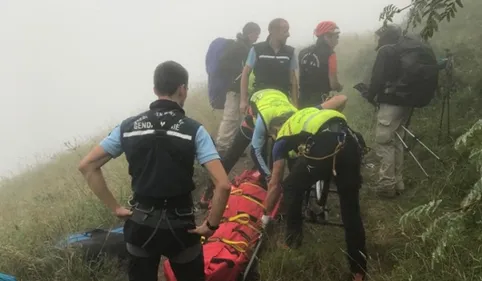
<point x="384" y="134"/>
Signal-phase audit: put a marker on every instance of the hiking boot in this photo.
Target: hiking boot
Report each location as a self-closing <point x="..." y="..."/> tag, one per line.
<point x="358" y="277"/>
<point x="399" y="187"/>
<point x="387" y="193"/>
<point x="283" y="246"/>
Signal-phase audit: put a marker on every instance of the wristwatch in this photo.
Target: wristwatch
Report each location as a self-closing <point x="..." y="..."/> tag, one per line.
<point x="211" y="227"/>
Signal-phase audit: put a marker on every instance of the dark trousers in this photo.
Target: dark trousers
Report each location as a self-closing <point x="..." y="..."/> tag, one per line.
<point x="241" y="141"/>
<point x="306" y="172"/>
<point x="163" y="235"/>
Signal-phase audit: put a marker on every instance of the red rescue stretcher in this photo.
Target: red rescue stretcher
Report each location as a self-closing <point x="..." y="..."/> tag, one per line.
<point x="230" y="252"/>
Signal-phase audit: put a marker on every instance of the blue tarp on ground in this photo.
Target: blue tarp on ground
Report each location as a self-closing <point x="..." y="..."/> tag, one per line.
<point x="5" y="277"/>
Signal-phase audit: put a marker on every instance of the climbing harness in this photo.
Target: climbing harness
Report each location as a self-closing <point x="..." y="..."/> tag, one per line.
<point x="305" y="149"/>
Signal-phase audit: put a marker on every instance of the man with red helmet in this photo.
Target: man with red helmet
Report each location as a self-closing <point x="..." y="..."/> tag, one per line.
<point x="318" y="66"/>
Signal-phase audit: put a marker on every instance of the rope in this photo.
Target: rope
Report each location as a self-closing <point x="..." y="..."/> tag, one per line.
<point x="303" y="150"/>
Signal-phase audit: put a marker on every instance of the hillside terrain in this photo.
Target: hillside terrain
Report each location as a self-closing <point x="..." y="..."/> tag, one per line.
<point x="431" y="232"/>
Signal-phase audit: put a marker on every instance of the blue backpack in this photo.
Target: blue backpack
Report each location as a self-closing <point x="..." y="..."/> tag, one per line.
<point x="98" y="242"/>
<point x="5" y="277"/>
<point x="217" y="86"/>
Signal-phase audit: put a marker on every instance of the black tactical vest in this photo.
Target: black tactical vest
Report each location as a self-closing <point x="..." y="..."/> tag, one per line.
<point x="314" y="72"/>
<point x="272" y="70"/>
<point x="159" y="145"/>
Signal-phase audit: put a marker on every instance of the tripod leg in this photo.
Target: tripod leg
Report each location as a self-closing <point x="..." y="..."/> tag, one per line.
<point x="448" y="115"/>
<point x="441" y="119"/>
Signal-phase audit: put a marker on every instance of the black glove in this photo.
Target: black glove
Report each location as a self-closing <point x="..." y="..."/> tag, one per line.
<point x="363" y="89"/>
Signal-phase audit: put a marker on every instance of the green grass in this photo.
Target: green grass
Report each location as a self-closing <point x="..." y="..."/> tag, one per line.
<point x="51" y="200"/>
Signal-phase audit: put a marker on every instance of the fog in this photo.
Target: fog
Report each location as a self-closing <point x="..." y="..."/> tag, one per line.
<point x="72" y="69"/>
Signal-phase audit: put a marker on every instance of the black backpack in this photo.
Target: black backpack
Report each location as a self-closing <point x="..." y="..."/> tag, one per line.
<point x="418" y="73"/>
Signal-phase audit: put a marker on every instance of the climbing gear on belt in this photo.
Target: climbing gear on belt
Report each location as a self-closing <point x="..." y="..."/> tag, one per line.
<point x="304" y="150"/>
<point x="140" y="216"/>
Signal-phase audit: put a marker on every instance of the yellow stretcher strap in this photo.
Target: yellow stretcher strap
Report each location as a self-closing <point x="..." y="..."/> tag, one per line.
<point x="244" y="219"/>
<point x="239" y="192"/>
<point x="240" y="246"/>
<point x="241" y="219"/>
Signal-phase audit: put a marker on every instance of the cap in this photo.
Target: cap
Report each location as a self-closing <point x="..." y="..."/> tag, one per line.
<point x="326" y="27"/>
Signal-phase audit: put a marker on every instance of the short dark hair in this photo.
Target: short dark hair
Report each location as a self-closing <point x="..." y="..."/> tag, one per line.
<point x="251" y="27"/>
<point x="280" y="120"/>
<point x="168" y="76"/>
<point x="275" y="24"/>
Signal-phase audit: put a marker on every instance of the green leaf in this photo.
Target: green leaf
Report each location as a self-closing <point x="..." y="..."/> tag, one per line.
<point x="459" y="2"/>
<point x="475" y="195"/>
<point x="436" y="15"/>
<point x="471" y="139"/>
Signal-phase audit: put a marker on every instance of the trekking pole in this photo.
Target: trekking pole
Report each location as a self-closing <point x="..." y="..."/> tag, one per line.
<point x="413" y="156"/>
<point x="419" y="141"/>
<point x="408" y="119"/>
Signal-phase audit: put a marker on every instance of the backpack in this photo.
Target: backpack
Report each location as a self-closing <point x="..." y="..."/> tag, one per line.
<point x="418" y="72"/>
<point x="5" y="277"/>
<point x="98" y="242"/>
<point x="217" y="85"/>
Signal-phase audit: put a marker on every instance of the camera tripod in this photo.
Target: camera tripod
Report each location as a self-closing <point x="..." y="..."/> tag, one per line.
<point x="315" y="208"/>
<point x="446" y="95"/>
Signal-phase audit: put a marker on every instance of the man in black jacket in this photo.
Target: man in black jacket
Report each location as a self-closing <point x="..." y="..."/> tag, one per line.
<point x="318" y="66"/>
<point x="230" y="66"/>
<point x="161" y="145"/>
<point x="404" y="75"/>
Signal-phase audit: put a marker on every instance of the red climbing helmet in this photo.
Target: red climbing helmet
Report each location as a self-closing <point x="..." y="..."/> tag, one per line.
<point x="326" y="27"/>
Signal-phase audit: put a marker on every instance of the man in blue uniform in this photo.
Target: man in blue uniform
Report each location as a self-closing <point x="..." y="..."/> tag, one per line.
<point x="161" y="145"/>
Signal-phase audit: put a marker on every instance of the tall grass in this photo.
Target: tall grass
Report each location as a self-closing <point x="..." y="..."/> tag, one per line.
<point x="41" y="206"/>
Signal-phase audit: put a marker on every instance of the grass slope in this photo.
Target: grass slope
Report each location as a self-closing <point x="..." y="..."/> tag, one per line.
<point x="40" y="206"/>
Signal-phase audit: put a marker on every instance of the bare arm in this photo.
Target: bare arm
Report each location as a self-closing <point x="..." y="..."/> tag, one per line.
<point x="274" y="190"/>
<point x="294" y="88"/>
<point x="222" y="189"/>
<point x="337" y="102"/>
<point x="333" y="74"/>
<point x="250" y="63"/>
<point x="90" y="167"/>
<point x="243" y="103"/>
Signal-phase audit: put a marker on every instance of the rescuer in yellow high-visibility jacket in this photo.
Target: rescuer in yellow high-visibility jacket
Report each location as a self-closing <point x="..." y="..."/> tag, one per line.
<point x="319" y="146"/>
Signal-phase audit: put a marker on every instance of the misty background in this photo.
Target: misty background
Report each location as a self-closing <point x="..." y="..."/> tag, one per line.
<point x="70" y="70"/>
